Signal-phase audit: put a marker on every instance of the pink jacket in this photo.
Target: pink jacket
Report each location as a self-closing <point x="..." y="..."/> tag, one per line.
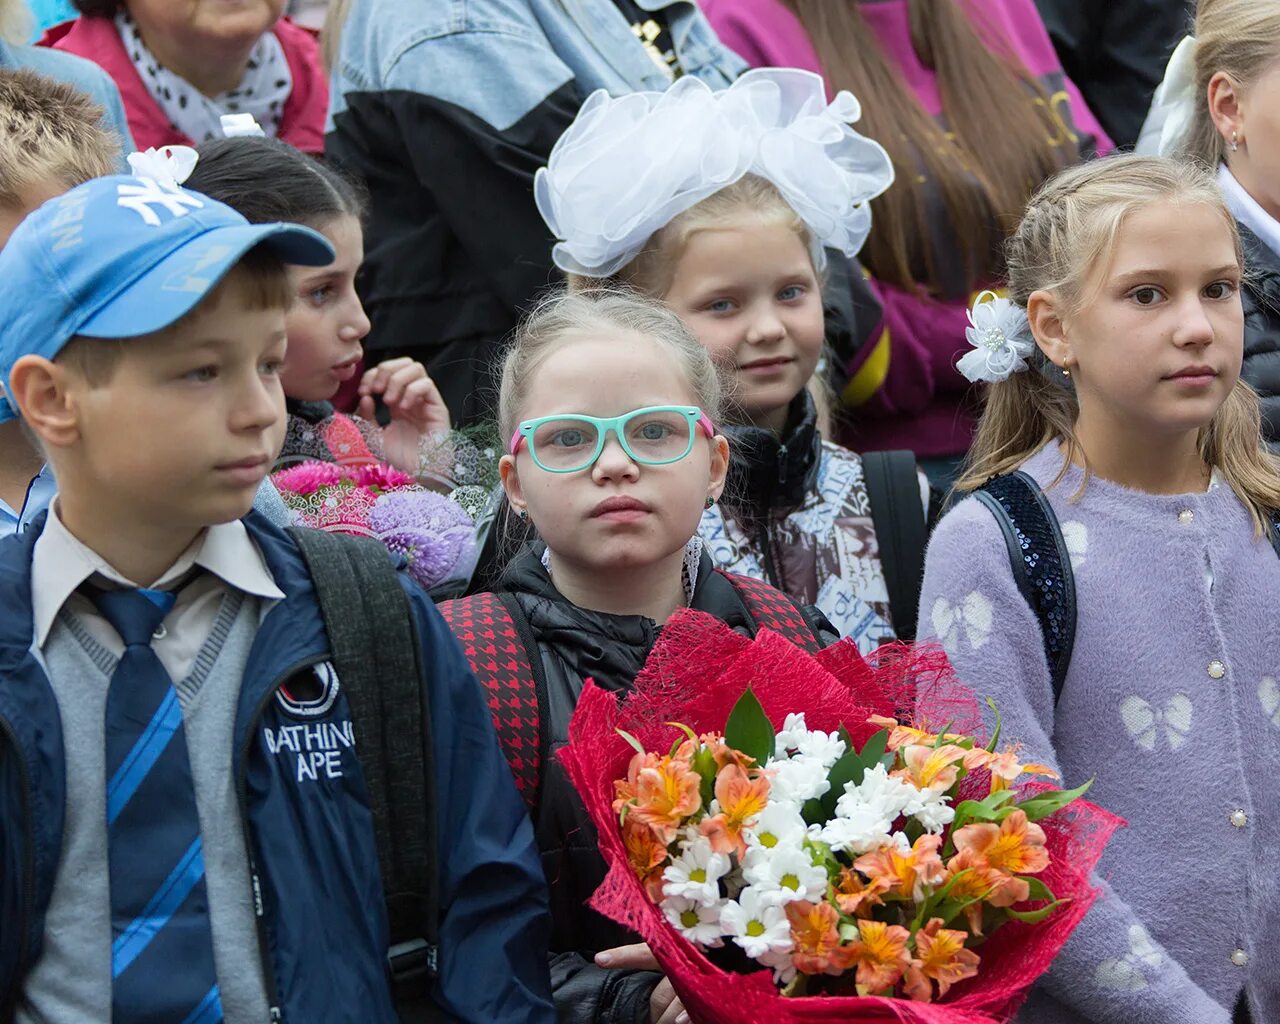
<point x="301" y="123"/>
<point x="903" y="383"/>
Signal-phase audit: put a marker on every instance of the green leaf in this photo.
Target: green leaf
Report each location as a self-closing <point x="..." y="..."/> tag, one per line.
<point x="813" y="812"/>
<point x="632" y="740"/>
<point x="704" y="763"/>
<point x="874" y="749"/>
<point x="1036" y="916"/>
<point x="749" y="728"/>
<point x="1039" y="891"/>
<point x="995" y="735"/>
<point x="1050" y="803"/>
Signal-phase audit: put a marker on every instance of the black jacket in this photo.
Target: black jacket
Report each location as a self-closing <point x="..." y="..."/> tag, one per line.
<point x="1260" y="296"/>
<point x="1116" y="51"/>
<point x="575" y="644"/>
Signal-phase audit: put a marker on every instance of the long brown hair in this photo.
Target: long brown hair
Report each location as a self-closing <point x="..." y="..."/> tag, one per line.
<point x="1003" y="135"/>
<point x="1061" y="246"/>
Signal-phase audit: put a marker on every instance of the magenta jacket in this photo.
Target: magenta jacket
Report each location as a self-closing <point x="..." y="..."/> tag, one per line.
<point x="904" y="385"/>
<point x="301" y="122"/>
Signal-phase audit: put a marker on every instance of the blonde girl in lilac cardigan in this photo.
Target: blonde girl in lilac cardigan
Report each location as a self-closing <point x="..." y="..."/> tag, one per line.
<point x="1115" y="373"/>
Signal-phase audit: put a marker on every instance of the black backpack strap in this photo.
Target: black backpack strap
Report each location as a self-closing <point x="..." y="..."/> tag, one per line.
<point x="377" y="656"/>
<point x="1040" y="562"/>
<point x="893" y="492"/>
<point x="495" y="636"/>
<point x="770" y="608"/>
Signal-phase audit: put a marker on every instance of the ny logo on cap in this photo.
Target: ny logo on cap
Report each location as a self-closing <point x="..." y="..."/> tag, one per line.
<point x="141" y="198"/>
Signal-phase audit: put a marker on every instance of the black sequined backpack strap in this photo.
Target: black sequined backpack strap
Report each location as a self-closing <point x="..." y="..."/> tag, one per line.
<point x="1040" y="562"/>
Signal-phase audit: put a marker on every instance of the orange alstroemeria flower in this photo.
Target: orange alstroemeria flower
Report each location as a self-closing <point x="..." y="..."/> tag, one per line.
<point x="624" y="790"/>
<point x="905" y="735"/>
<point x="934" y="768"/>
<point x="881" y="955"/>
<point x="647" y="855"/>
<point x="1005" y="768"/>
<point x="720" y="751"/>
<point x="666" y="793"/>
<point x="1014" y="847"/>
<point x="904" y="875"/>
<point x="741" y="799"/>
<point x="975" y="881"/>
<point x="856" y="897"/>
<point x="815" y="930"/>
<point x="940" y="957"/>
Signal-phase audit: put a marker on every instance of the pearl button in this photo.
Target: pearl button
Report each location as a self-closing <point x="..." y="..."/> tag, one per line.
<point x="1186" y="517"/>
<point x="1239" y="819"/>
<point x="1217" y="670"/>
<point x="1239" y="958"/>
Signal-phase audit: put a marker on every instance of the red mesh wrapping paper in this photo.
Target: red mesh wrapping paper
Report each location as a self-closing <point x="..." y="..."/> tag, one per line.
<point x="695" y="675"/>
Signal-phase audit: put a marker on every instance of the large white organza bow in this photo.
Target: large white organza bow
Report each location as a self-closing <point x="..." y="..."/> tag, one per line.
<point x="628" y="165"/>
<point x="1001" y="338"/>
<point x="1173" y="107"/>
<point x="169" y="166"/>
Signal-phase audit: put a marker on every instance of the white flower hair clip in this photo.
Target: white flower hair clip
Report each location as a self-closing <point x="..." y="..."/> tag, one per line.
<point x="1001" y="338"/>
<point x="168" y="166"/>
<point x="629" y="164"/>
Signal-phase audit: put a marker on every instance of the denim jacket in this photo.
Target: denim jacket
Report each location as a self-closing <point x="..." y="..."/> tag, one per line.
<point x="528" y="47"/>
<point x="446" y="109"/>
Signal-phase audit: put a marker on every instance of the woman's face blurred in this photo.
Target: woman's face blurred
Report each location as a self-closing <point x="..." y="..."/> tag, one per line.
<point x="215" y="23"/>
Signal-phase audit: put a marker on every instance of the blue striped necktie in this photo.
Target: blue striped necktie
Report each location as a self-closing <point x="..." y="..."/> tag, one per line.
<point x="162" y="966"/>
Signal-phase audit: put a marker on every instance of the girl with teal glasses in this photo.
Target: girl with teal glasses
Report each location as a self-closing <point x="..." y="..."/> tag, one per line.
<point x="610" y="406"/>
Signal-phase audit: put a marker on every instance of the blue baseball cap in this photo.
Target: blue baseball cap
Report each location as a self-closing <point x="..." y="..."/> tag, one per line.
<point x="120" y="257"/>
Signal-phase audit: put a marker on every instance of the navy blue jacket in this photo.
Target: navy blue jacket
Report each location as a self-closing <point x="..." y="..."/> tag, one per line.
<point x="322" y="921"/>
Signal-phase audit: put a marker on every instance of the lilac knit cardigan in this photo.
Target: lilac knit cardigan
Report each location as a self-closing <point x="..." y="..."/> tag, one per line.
<point x="1172" y="703"/>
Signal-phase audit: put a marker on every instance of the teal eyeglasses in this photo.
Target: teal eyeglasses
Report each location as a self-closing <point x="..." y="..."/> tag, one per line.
<point x="653" y="436"/>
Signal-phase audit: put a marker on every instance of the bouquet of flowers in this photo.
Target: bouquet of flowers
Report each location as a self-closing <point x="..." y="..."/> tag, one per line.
<point x="431" y="531"/>
<point x="781" y="825"/>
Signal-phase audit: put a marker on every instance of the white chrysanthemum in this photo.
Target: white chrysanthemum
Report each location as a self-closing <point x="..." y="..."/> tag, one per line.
<point x="788" y="738"/>
<point x="696" y="873"/>
<point x="779" y="824"/>
<point x="786" y="874"/>
<point x="881" y="792"/>
<point x="932" y="810"/>
<point x="697" y="922"/>
<point x="826" y="747"/>
<point x="755" y="925"/>
<point x="783" y="968"/>
<point x="798" y="779"/>
<point x="860" y="831"/>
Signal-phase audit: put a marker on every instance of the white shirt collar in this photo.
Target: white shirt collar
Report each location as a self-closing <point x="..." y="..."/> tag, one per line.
<point x="60" y="563"/>
<point x="1248" y="211"/>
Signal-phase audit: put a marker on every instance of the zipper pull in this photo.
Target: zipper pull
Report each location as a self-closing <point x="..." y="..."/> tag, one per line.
<point x="783" y="465"/>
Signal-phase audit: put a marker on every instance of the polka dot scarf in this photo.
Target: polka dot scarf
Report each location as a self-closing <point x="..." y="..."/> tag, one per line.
<point x="262" y="91"/>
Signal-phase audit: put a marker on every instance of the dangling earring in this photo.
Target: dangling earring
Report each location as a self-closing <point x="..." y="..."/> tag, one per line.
<point x="1066" y="372"/>
<point x="1235" y="141"/>
<point x="709" y="502"/>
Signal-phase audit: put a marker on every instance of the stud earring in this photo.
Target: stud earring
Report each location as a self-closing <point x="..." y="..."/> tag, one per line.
<point x="709" y="502"/>
<point x="522" y="514"/>
<point x="1235" y="141"/>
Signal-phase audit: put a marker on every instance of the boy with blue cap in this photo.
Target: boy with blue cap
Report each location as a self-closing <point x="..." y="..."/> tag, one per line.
<point x="185" y="831"/>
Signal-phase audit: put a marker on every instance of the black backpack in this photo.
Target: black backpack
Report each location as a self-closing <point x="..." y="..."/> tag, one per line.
<point x="1041" y="565"/>
<point x="377" y="656"/>
<point x="902" y="531"/>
